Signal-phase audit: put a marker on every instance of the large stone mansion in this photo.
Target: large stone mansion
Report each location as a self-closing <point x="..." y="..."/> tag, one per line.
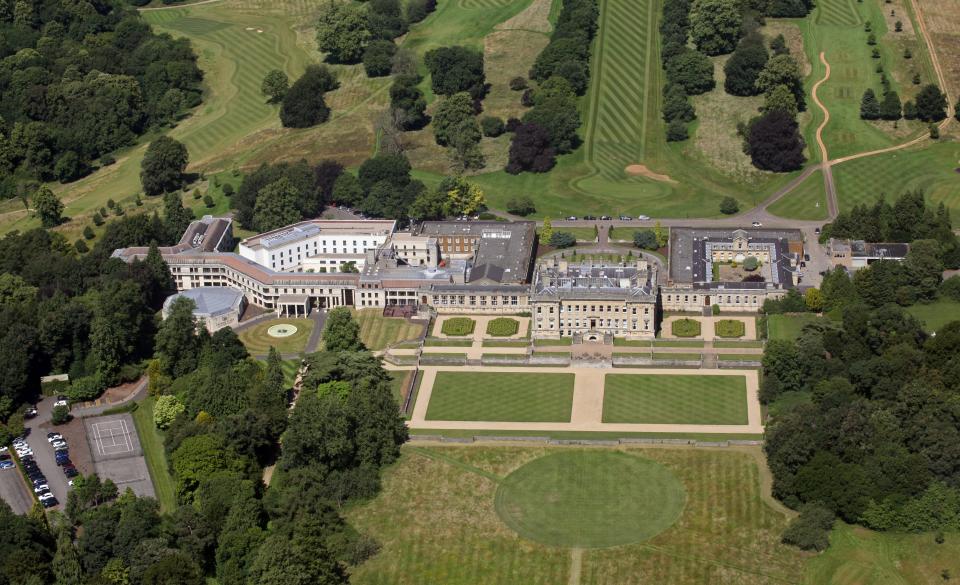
<point x="481" y="267"/>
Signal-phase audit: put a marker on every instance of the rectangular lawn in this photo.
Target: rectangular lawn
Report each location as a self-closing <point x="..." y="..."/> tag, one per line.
<point x="656" y="399"/>
<point x="504" y="397"/>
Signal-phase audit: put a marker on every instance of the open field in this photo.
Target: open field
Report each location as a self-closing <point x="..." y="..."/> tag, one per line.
<point x="932" y="169"/>
<point x="491" y="396"/>
<point x="634" y="398"/>
<point x="438" y="523"/>
<point x="807" y="201"/>
<point x="258" y="341"/>
<point x="936" y="315"/>
<point x="151" y="440"/>
<point x="622" y="126"/>
<point x="788" y="326"/>
<point x="377" y="331"/>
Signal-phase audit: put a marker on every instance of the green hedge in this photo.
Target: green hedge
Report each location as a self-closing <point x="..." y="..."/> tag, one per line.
<point x="458" y="326"/>
<point x="685" y="328"/>
<point x="503" y="327"/>
<point x="729" y="328"/>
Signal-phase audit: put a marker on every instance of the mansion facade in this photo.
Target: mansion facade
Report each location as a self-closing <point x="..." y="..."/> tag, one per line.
<point x="484" y="267"/>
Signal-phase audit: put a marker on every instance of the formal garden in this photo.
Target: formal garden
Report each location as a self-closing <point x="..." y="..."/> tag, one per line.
<point x="663" y="399"/>
<point x="458" y="326"/>
<point x="503" y="327"/>
<point x="685" y="328"/>
<point x="728" y="328"/>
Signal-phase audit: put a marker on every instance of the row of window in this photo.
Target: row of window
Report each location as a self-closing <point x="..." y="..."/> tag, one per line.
<point x="446" y="300"/>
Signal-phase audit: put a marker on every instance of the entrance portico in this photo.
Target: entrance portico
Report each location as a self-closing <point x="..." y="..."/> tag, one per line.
<point x="293" y="306"/>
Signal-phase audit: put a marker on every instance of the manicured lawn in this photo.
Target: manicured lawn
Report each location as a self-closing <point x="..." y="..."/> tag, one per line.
<point x="622" y="126"/>
<point x="656" y="399"/>
<point x="788" y="326"/>
<point x="729" y="328"/>
<point x="735" y="357"/>
<point x="889" y="175"/>
<point x="676" y="356"/>
<point x="514" y="343"/>
<point x="259" y="341"/>
<point x="677" y="343"/>
<point x="399" y="379"/>
<point x="582" y="234"/>
<point x="621" y="342"/>
<point x="503" y="327"/>
<point x="377" y="331"/>
<point x="549" y="342"/>
<point x="836" y="27"/>
<point x="441" y="342"/>
<point x="437" y="519"/>
<point x="152" y="442"/>
<point x="807" y="201"/>
<point x="458" y="326"/>
<point x="936" y="315"/>
<point x="615" y="499"/>
<point x="685" y="328"/>
<point x="736" y="344"/>
<point x="501" y="397"/>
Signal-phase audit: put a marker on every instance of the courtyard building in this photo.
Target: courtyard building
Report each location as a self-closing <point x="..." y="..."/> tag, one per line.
<point x="736" y="270"/>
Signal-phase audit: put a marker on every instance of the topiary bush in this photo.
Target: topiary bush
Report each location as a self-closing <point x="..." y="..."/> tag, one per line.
<point x="685" y="328"/>
<point x="458" y="326"/>
<point x="751" y="263"/>
<point x="503" y="327"/>
<point x="729" y="328"/>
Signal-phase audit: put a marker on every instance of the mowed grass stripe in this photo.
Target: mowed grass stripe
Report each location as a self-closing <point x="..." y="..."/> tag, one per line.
<point x="656" y="399"/>
<point x="501" y="397"/>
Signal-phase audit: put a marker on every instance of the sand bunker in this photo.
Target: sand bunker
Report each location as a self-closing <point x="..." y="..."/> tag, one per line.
<point x="643" y="171"/>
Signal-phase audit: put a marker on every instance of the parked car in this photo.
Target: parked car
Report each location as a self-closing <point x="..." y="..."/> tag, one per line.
<point x="70" y="472"/>
<point x="51" y="437"/>
<point x="39" y="489"/>
<point x="58" y="444"/>
<point x="61" y="401"/>
<point x="816" y="231"/>
<point x="589" y="217"/>
<point x="806" y="257"/>
<point x="6" y="464"/>
<point x="46" y="496"/>
<point x="756" y="224"/>
<point x="30" y="412"/>
<point x="643" y="217"/>
<point x="49" y="502"/>
<point x="625" y="218"/>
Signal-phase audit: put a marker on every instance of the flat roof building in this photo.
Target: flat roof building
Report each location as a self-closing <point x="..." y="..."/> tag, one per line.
<point x="286" y="248"/>
<point x="857" y="254"/>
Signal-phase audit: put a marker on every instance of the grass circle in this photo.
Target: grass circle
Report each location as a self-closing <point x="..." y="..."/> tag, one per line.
<point x="590" y="499"/>
<point x="282" y="330"/>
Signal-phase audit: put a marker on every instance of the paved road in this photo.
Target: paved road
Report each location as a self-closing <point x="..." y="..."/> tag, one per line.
<point x="14" y="491"/>
<point x="43" y="452"/>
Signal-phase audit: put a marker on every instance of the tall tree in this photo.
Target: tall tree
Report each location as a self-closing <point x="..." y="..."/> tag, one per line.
<point x="783" y="70"/>
<point x="48" y="207"/>
<point x="869" y="106"/>
<point x="744" y="66"/>
<point x="304" y="105"/>
<point x="278" y="204"/>
<point x="931" y="104"/>
<point x="456" y="69"/>
<point x="341" y="332"/>
<point x="715" y="25"/>
<point x="774" y="142"/>
<point x="176" y="342"/>
<point x="342" y="31"/>
<point x="163" y="166"/>
<point x="275" y="85"/>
